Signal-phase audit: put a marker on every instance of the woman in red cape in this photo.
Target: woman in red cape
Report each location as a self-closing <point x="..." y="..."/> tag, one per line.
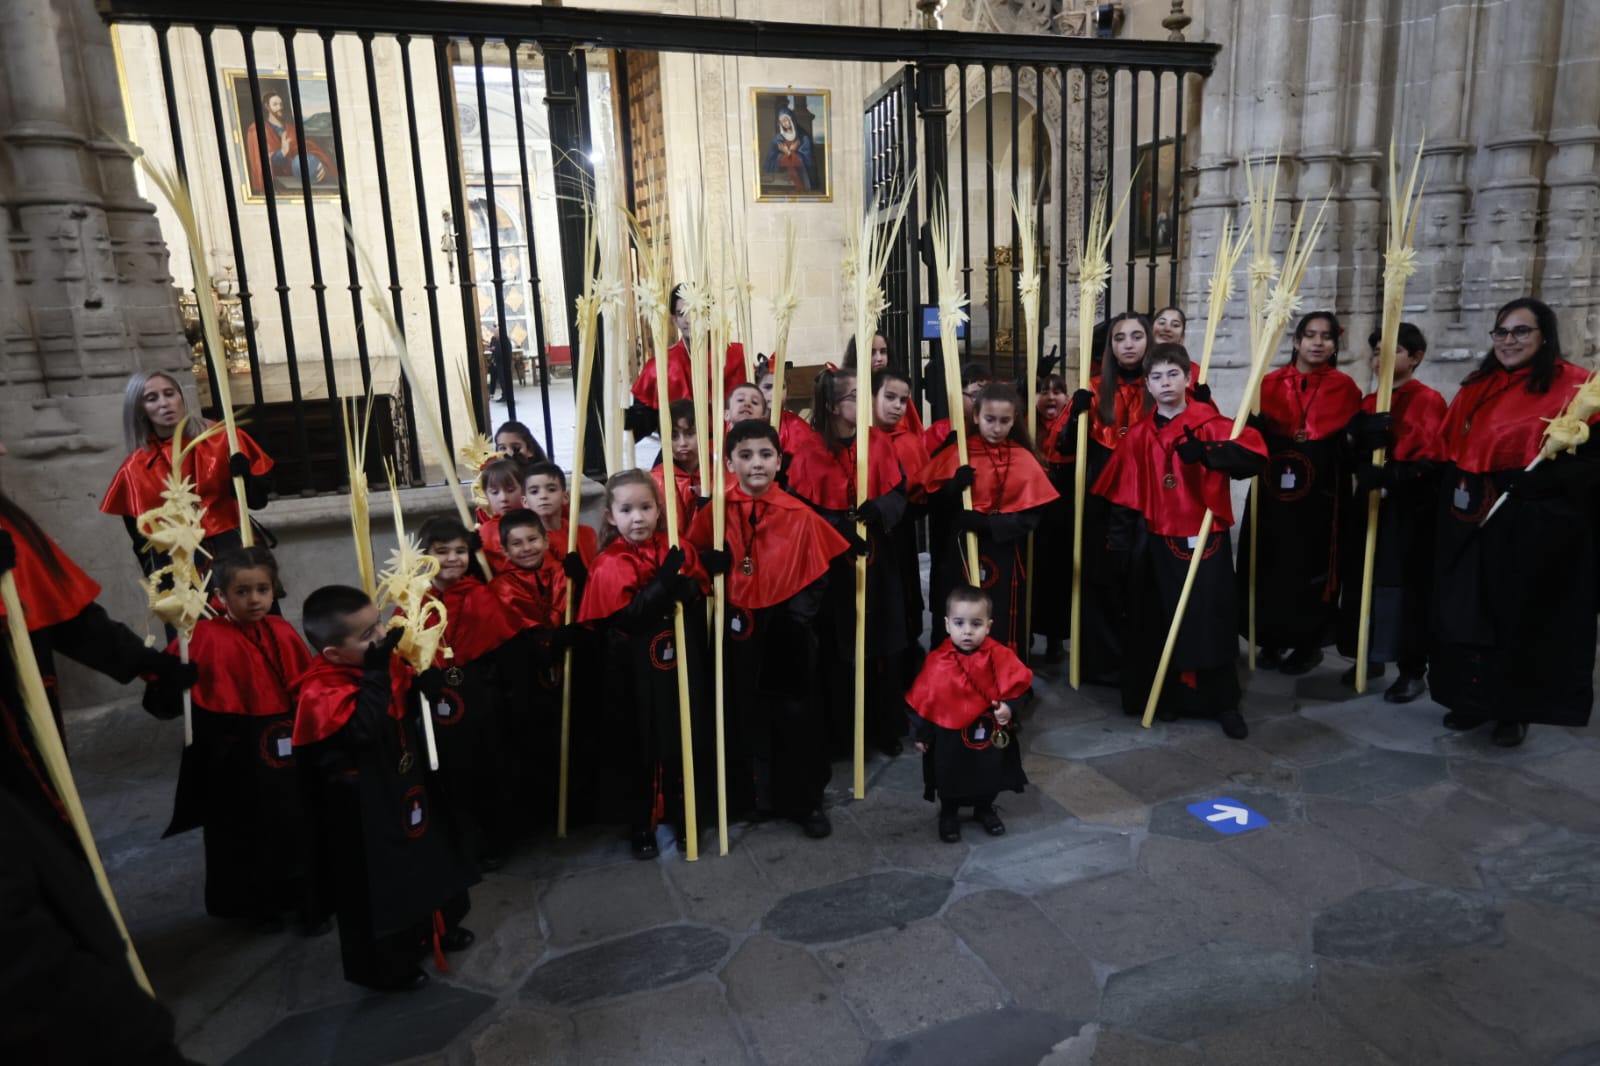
<point x="152" y="407"/>
<point x="1514" y="595"/>
<point x="642" y="418"/>
<point x="1305" y="407"/>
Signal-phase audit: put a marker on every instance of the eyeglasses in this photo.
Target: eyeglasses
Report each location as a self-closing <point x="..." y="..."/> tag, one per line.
<point x="1520" y="333"/>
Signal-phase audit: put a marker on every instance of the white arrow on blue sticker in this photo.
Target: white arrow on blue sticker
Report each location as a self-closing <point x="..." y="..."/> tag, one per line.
<point x="1227" y="815"/>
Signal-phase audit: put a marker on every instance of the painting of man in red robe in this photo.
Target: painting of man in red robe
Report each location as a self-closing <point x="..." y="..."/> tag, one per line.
<point x="290" y="157"/>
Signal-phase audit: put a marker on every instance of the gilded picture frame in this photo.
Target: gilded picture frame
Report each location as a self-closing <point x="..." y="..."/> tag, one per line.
<point x="793" y="136"/>
<point x="285" y="163"/>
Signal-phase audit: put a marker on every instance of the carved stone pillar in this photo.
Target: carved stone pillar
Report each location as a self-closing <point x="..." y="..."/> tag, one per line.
<point x="85" y="294"/>
<point x="1572" y="250"/>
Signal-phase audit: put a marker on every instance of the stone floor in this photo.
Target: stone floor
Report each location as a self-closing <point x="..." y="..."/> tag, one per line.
<point x="1418" y="897"/>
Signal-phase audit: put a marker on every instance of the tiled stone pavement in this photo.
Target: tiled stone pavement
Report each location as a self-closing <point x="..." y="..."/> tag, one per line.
<point x="1420" y="897"/>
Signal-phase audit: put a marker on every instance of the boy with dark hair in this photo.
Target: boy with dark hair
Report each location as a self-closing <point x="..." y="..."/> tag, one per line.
<point x="688" y="484"/>
<point x="776" y="558"/>
<point x="963" y="704"/>
<point x="1169" y="469"/>
<point x="399" y="878"/>
<point x="544" y="492"/>
<point x="1402" y="571"/>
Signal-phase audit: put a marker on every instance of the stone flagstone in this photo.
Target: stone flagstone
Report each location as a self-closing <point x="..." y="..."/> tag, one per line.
<point x="1393" y="926"/>
<point x="369" y="1032"/>
<point x="860" y="905"/>
<point x="1186" y="996"/>
<point x="1049" y="857"/>
<point x="651" y="959"/>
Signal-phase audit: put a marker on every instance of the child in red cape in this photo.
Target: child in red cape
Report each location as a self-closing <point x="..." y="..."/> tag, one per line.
<point x="399" y="876"/>
<point x="825" y="477"/>
<point x="468" y="724"/>
<point x="1009" y="493"/>
<point x="686" y="480"/>
<point x="892" y="411"/>
<point x="544" y="492"/>
<point x="776" y="556"/>
<point x="1052" y="554"/>
<point x="240" y="779"/>
<point x="1159" y="482"/>
<point x="963" y="706"/>
<point x="634" y="585"/>
<point x="501" y="481"/>
<point x="794" y="432"/>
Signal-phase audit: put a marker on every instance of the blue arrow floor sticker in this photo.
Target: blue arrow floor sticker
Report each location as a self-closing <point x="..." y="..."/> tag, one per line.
<point x="1227" y="816"/>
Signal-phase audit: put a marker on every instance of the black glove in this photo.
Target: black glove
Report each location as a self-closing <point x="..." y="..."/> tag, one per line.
<point x="948" y="442"/>
<point x="1256" y="422"/>
<point x="962" y="479"/>
<point x="1371" y="478"/>
<point x="858" y="545"/>
<point x="564" y="637"/>
<point x="1369" y="432"/>
<point x="965" y="521"/>
<point x="870" y="512"/>
<point x="641" y="420"/>
<point x="377" y="656"/>
<point x="239" y="465"/>
<point x="1201" y="393"/>
<point x="1067" y="439"/>
<point x="702" y="502"/>
<point x="716" y="562"/>
<point x="1081" y="401"/>
<point x="572" y="566"/>
<point x="474" y="542"/>
<point x="1048" y="363"/>
<point x="682" y="588"/>
<point x="1191" y="449"/>
<point x="431" y="682"/>
<point x="169" y="670"/>
<point x="162" y="702"/>
<point x="671" y="563"/>
<point x="8" y="551"/>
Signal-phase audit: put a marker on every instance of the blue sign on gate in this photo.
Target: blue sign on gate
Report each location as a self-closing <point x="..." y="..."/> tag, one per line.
<point x="1227" y="816"/>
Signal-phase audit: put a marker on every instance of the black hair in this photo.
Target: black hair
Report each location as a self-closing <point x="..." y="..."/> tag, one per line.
<point x="228" y="563"/>
<point x="751" y="429"/>
<point x="441" y="529"/>
<point x="326" y="615"/>
<point x="1053" y="383"/>
<point x="1000" y="392"/>
<point x="1409" y="337"/>
<point x="545" y="468"/>
<point x="880" y="378"/>
<point x="1542" y="368"/>
<point x="521" y="518"/>
<point x="972" y="373"/>
<point x="848" y="362"/>
<point x="1168" y="353"/>
<point x="677" y="294"/>
<point x="1305" y="324"/>
<point x="501" y="473"/>
<point x="682" y="411"/>
<point x="968" y="594"/>
<point x="1172" y="307"/>
<point x="1106" y="405"/>
<point x="826" y="395"/>
<point x="535" y="453"/>
<point x="21" y="524"/>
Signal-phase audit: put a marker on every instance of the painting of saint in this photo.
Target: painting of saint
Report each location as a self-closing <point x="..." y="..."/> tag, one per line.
<point x="290" y="159"/>
<point x="792" y="144"/>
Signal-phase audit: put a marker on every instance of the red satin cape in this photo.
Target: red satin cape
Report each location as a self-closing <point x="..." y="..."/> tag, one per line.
<point x="1008" y="478"/>
<point x="622" y="570"/>
<point x="476" y="620"/>
<point x="588" y="543"/>
<point x="137" y="485"/>
<point x="680" y="376"/>
<point x="791" y="546"/>
<point x="533" y="597"/>
<point x="827" y="479"/>
<point x="1136" y="474"/>
<point x="955" y="687"/>
<point x="325" y="697"/>
<point x="49" y="595"/>
<point x="1495" y="423"/>
<point x="246" y="669"/>
<point x="1418" y="421"/>
<point x="1318" y="404"/>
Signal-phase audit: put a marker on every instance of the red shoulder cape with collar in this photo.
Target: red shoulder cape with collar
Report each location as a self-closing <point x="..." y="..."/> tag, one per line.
<point x="1418" y="420"/>
<point x="588" y="543"/>
<point x="680" y="377"/>
<point x="534" y="597"/>
<point x="1127" y="406"/>
<point x="246" y="669"/>
<point x="1136" y="474"/>
<point x="325" y="697"/>
<point x="50" y="594"/>
<point x="621" y="570"/>
<point x="954" y="688"/>
<point x="935" y="434"/>
<point x="827" y="479"/>
<point x="1319" y="404"/>
<point x="476" y="621"/>
<point x="909" y="449"/>
<point x="1049" y="433"/>
<point x="138" y="484"/>
<point x="686" y="487"/>
<point x="795" y="433"/>
<point x="788" y="544"/>
<point x="493" y="549"/>
<point x="1495" y="423"/>
<point x="1008" y="477"/>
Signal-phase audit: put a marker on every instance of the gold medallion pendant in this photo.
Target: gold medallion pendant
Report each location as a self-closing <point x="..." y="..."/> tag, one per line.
<point x="406" y="763"/>
<point x="1170" y="481"/>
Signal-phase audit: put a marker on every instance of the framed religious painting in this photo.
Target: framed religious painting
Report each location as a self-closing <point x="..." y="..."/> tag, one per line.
<point x="1154" y="202"/>
<point x="288" y="159"/>
<point x="791" y="149"/>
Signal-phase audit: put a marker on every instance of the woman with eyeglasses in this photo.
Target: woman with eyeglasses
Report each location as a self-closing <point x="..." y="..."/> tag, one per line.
<point x="1514" y="595"/>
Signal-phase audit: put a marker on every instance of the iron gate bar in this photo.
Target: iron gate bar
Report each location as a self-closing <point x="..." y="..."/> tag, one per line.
<point x="988" y="220"/>
<point x="496" y="277"/>
<point x="1015" y="295"/>
<point x="269" y="190"/>
<point x="558" y="27"/>
<point x="1155" y="192"/>
<point x="429" y="282"/>
<point x="1177" y="190"/>
<point x="966" y="227"/>
<point x="444" y="72"/>
<point x="1133" y="161"/>
<point x="183" y="169"/>
<point x="352" y="271"/>
<point x="935" y="112"/>
<point x="318" y="289"/>
<point x="1062" y="263"/>
<point x="539" y="347"/>
<point x="224" y="151"/>
<point x="1040" y="188"/>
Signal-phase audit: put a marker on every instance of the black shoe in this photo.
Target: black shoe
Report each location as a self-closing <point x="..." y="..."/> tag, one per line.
<point x="989" y="818"/>
<point x="1461" y="721"/>
<point x="1268" y="658"/>
<point x="1301" y="662"/>
<point x="816" y="825"/>
<point x="1374" y="671"/>
<point x="1405" y="689"/>
<point x="1508" y="734"/>
<point x="408" y="982"/>
<point x="949" y="828"/>
<point x="644" y="844"/>
<point x="458" y="939"/>
<point x="1232" y="723"/>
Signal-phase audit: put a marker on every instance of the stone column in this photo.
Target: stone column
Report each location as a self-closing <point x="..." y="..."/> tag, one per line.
<point x="1572" y="249"/>
<point x="85" y="294"/>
